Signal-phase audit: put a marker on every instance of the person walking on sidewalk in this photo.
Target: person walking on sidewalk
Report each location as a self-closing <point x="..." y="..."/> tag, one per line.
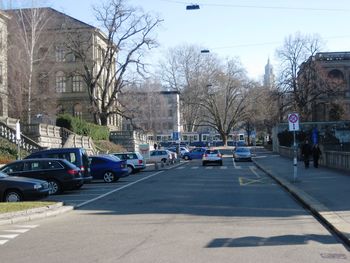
<point x="306" y="152"/>
<point x="316" y="154"/>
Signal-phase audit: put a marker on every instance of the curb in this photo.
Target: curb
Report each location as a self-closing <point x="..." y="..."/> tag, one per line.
<point x="331" y="219"/>
<point x="35" y="213"/>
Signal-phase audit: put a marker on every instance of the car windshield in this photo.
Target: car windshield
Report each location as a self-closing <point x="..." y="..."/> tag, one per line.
<point x="211" y="151"/>
<point x="242" y="150"/>
<point x="3" y="175"/>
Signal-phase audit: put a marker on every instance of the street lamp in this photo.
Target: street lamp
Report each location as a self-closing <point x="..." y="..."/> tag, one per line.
<point x="192" y="7"/>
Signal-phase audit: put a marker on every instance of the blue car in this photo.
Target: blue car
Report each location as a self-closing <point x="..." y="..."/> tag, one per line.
<point x="107" y="167"/>
<point x="195" y="153"/>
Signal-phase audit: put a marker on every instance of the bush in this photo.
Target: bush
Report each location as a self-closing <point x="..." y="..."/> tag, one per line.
<point x="81" y="127"/>
<point x="8" y="151"/>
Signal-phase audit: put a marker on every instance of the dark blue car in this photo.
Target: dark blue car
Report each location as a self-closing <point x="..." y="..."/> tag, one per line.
<point x="107" y="167"/>
<point x="195" y="153"/>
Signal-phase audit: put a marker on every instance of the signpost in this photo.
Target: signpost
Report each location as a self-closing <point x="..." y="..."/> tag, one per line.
<point x="293" y="120"/>
<point x="18" y="140"/>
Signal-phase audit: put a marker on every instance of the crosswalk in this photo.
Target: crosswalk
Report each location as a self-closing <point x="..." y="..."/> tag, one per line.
<point x="14" y="231"/>
<point x="203" y="167"/>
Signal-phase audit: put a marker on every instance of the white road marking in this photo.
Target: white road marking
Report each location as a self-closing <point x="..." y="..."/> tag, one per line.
<point x="252" y="168"/>
<point x="223" y="167"/>
<point x="26" y="226"/>
<point x="209" y="167"/>
<point x="235" y="166"/>
<point x="180" y="168"/>
<point x="195" y="167"/>
<point x="17" y="230"/>
<point x="116" y="190"/>
<point x="3" y="242"/>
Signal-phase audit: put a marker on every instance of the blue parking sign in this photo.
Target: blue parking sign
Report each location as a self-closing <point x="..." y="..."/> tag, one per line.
<point x="176" y="136"/>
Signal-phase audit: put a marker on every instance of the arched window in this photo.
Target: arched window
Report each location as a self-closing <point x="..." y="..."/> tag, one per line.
<point x="78" y="110"/>
<point x="60" y="82"/>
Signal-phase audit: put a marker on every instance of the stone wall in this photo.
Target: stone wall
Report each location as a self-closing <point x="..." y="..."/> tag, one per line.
<point x="331" y="159"/>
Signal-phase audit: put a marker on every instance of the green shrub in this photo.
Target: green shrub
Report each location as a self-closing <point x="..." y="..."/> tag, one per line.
<point x="81" y="127"/>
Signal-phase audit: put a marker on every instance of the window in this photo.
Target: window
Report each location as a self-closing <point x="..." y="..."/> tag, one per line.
<point x="60" y="53"/>
<point x="77" y="84"/>
<point x="60" y="82"/>
<point x="78" y="110"/>
<point x="42" y="52"/>
<point x="43" y="80"/>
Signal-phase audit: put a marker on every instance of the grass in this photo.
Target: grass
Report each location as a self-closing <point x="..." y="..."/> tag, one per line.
<point x="20" y="206"/>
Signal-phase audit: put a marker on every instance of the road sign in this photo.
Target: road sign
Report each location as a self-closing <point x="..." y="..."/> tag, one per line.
<point x="176" y="136"/>
<point x="293" y="120"/>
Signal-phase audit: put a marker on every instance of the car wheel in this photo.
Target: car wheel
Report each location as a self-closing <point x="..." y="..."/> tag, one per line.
<point x="130" y="169"/>
<point x="108" y="177"/>
<point x="13" y="196"/>
<point x="164" y="161"/>
<point x="186" y="157"/>
<point x="203" y="163"/>
<point x="54" y="187"/>
<point x="220" y="163"/>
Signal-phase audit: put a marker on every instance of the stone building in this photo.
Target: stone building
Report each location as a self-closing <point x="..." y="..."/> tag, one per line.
<point x="58" y="84"/>
<point x="333" y="68"/>
<point x="154" y="112"/>
<point x="3" y="65"/>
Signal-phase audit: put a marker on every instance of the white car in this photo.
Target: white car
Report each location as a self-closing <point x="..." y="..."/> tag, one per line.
<point x="212" y="156"/>
<point x="134" y="160"/>
<point x="157" y="156"/>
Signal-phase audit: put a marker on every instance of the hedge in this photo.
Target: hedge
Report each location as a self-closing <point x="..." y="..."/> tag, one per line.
<point x="81" y="127"/>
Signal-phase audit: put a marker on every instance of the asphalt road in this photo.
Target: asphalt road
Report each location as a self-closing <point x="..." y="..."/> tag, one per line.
<point x="190" y="213"/>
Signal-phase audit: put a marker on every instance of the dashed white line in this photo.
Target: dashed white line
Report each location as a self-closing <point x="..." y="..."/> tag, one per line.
<point x="9" y="236"/>
<point x="3" y="242"/>
<point x="17" y="230"/>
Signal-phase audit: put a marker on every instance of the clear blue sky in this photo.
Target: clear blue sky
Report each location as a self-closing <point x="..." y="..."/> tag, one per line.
<point x="249" y="29"/>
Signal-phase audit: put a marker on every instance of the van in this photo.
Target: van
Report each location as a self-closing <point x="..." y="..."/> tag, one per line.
<point x="76" y="156"/>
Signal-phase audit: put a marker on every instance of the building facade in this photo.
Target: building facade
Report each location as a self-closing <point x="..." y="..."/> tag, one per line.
<point x="3" y="65"/>
<point x="331" y="72"/>
<point x="156" y="112"/>
<point x="59" y="76"/>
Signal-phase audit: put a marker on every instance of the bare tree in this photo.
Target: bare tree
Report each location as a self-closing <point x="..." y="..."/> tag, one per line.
<point x="26" y="27"/>
<point x="295" y="94"/>
<point x="224" y="102"/>
<point x="188" y="71"/>
<point x="128" y="33"/>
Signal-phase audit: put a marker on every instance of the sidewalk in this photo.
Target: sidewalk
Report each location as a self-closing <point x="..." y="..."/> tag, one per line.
<point x="324" y="191"/>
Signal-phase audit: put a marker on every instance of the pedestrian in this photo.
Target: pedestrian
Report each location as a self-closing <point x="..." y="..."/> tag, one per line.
<point x="316" y="154"/>
<point x="155" y="146"/>
<point x="306" y="152"/>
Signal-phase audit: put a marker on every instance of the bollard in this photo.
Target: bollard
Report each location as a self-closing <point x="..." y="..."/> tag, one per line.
<point x="156" y="166"/>
<point x="162" y="164"/>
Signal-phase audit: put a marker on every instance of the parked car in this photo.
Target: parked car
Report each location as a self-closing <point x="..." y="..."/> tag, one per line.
<point x="59" y="173"/>
<point x="134" y="160"/>
<point x="212" y="156"/>
<point x="17" y="189"/>
<point x="157" y="156"/>
<point x="107" y="167"/>
<point x="183" y="150"/>
<point x="195" y="153"/>
<point x="242" y="154"/>
<point x="76" y="156"/>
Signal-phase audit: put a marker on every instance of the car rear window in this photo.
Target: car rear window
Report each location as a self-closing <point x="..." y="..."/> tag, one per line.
<point x="211" y="152"/>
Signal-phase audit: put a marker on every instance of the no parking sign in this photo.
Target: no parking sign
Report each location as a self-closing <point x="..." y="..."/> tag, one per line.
<point x="293" y="120"/>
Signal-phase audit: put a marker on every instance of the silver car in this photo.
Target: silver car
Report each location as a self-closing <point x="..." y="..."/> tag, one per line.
<point x="134" y="160"/>
<point x="212" y="156"/>
<point x="242" y="154"/>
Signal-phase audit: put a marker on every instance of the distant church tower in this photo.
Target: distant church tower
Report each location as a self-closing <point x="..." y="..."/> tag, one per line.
<point x="269" y="77"/>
